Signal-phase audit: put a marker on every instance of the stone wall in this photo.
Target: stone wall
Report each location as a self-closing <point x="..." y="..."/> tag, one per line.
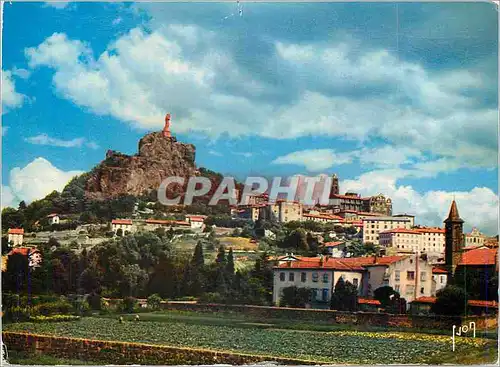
<point x="337" y="317"/>
<point x="112" y="352"/>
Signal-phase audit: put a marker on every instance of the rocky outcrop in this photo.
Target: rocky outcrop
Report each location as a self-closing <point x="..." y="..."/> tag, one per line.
<point x="158" y="157"/>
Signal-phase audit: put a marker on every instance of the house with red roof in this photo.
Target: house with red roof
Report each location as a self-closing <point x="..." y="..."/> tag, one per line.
<point x="335" y="249"/>
<point x="15" y="236"/>
<point x="125" y="225"/>
<point x="53" y="218"/>
<point x="33" y="254"/>
<point x="196" y="221"/>
<point x="410" y="275"/>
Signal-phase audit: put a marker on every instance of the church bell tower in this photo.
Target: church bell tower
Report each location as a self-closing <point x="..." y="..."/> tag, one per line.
<point x="454" y="238"/>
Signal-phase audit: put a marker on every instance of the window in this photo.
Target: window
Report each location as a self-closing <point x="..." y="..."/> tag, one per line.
<point x="422" y="290"/>
<point x="410" y="289"/>
<point x="355" y="282"/>
<point x="422" y="276"/>
<point x="303" y="277"/>
<point x="325" y="278"/>
<point x="397" y="275"/>
<point x="282" y="277"/>
<point x="315" y="277"/>
<point x="325" y="294"/>
<point x="411" y="261"/>
<point x="410" y="275"/>
<point x="443" y="279"/>
<point x="314" y="294"/>
<point x="368" y="275"/>
<point x="291" y="277"/>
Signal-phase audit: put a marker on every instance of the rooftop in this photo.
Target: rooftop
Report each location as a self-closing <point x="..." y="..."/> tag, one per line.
<point x="479" y="256"/>
<point x="16" y="231"/>
<point x="122" y="221"/>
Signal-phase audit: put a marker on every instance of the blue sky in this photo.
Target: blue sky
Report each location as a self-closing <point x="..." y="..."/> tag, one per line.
<point x="397" y="99"/>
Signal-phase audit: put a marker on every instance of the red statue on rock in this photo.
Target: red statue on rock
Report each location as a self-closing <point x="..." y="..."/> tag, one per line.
<point x="166" y="128"/>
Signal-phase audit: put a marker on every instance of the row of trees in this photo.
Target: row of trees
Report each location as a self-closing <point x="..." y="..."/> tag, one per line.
<point x="139" y="265"/>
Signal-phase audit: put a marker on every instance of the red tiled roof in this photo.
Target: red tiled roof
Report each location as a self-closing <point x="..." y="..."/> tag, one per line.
<point x="472" y="302"/>
<point x="23" y="251"/>
<point x="16" y="231"/>
<point x="338" y="196"/>
<point x="430" y="230"/>
<point x="314" y="263"/>
<point x="324" y="216"/>
<point x="196" y="219"/>
<point x="366" y="301"/>
<point x="425" y="300"/>
<point x="52" y="215"/>
<point x="437" y="270"/>
<point x="332" y="244"/>
<point x="167" y="222"/>
<point x="121" y="221"/>
<point x="480" y="303"/>
<point x="479" y="257"/>
<point x="402" y="230"/>
<point x="372" y="260"/>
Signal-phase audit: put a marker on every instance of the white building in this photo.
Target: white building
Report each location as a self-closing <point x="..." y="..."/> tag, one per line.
<point x="320" y="274"/>
<point x="124" y="224"/>
<point x="15" y="236"/>
<point x="474" y="238"/>
<point x="196" y="221"/>
<point x="322" y="218"/>
<point x="53" y="218"/>
<point x="152" y="224"/>
<point x="372" y="226"/>
<point x="402" y="240"/>
<point x="439" y="279"/>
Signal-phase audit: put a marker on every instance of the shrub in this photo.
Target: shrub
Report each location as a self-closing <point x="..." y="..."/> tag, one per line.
<point x="59" y="307"/>
<point x="128" y="304"/>
<point x="95" y="301"/>
<point x="54" y="318"/>
<point x="18" y="314"/>
<point x="211" y="298"/>
<point x="154" y="301"/>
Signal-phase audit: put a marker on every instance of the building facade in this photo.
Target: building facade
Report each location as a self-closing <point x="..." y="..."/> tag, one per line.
<point x="349" y="201"/>
<point x="320" y="274"/>
<point x="124" y="224"/>
<point x="285" y="211"/>
<point x="380" y="204"/>
<point x="424" y="240"/>
<point x="15" y="236"/>
<point x="372" y="226"/>
<point x="454" y="238"/>
<point x="475" y="238"/>
<point x="53" y="218"/>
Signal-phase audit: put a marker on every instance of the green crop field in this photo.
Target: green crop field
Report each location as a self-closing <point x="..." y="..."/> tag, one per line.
<point x="339" y="347"/>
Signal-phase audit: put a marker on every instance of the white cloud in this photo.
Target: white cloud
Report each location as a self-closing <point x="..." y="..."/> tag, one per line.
<point x="57" y="4"/>
<point x="44" y="139"/>
<point x="315" y="160"/>
<point x="342" y="91"/>
<point x="215" y="153"/>
<point x="477" y="207"/>
<point x="34" y="181"/>
<point x="4" y="130"/>
<point x="10" y="98"/>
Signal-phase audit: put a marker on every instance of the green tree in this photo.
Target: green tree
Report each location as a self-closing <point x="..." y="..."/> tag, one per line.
<point x="154" y="301"/>
<point x="119" y="232"/>
<point x="344" y="297"/>
<point x="451" y="301"/>
<point x="221" y="255"/>
<point x="230" y="263"/>
<point x="295" y="297"/>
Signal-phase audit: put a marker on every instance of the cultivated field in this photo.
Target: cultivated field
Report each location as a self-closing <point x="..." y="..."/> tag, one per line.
<point x="245" y="336"/>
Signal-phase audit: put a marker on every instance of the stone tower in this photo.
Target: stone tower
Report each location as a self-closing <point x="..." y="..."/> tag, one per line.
<point x="335" y="186"/>
<point x="454" y="238"/>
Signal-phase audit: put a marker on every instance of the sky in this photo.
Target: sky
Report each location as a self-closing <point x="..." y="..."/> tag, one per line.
<point x="399" y="99"/>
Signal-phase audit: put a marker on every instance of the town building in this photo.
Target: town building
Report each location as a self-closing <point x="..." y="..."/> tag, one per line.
<point x="334" y="190"/>
<point x="53" y="218"/>
<point x="335" y="249"/>
<point x="124" y="224"/>
<point x="285" y="211"/>
<point x="475" y="238"/>
<point x="251" y="212"/>
<point x="349" y="201"/>
<point x="439" y="279"/>
<point x="15" y="236"/>
<point x="196" y="221"/>
<point x="454" y="238"/>
<point x="153" y="224"/>
<point x="380" y="204"/>
<point x="322" y="218"/>
<point x="33" y="254"/>
<point x="409" y="275"/>
<point x="424" y="240"/>
<point x="372" y="226"/>
<point x="317" y="273"/>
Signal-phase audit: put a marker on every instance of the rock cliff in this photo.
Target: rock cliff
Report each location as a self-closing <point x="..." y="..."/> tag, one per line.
<point x="158" y="157"/>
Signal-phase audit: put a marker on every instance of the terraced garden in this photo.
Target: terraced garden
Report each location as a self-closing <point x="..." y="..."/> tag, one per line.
<point x="341" y="347"/>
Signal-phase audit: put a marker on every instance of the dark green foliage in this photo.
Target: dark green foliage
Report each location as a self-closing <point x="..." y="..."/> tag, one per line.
<point x="451" y="301"/>
<point x="478" y="282"/>
<point x="154" y="301"/>
<point x="295" y="297"/>
<point x="129" y="304"/>
<point x="344" y="297"/>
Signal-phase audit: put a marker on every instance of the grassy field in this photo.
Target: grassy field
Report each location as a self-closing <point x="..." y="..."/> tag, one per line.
<point x="270" y="337"/>
<point x="238" y="243"/>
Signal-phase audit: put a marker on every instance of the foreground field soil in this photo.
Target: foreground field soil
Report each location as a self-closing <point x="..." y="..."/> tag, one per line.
<point x="340" y="346"/>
